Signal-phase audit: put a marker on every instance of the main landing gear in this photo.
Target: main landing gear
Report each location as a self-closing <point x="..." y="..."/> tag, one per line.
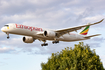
<point x="55" y="42"/>
<point x="44" y="44"/>
<point x="7" y="35"/>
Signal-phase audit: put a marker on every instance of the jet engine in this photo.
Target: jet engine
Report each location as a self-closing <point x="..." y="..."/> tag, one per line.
<point x="49" y="33"/>
<point x="28" y="39"/>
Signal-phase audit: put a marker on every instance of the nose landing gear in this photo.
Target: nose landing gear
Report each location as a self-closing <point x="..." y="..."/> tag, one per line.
<point x="7" y="35"/>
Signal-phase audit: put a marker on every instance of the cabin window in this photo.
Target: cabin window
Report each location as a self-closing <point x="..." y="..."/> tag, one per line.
<point x="6" y="25"/>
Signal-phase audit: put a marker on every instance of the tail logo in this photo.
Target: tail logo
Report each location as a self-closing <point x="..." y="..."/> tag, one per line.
<point x="85" y="31"/>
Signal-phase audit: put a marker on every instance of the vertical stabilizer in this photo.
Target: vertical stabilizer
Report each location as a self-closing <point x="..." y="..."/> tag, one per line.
<point x="85" y="31"/>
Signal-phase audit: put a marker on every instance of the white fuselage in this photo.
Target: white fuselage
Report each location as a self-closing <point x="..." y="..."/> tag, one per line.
<point x="33" y="32"/>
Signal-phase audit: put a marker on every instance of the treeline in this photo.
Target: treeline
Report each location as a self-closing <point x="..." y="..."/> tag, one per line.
<point x="81" y="57"/>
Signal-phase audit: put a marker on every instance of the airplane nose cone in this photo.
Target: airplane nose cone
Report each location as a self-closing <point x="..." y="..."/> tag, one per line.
<point x="2" y="29"/>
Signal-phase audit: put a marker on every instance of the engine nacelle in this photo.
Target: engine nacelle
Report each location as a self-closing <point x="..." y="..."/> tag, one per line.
<point x="49" y="33"/>
<point x="28" y="39"/>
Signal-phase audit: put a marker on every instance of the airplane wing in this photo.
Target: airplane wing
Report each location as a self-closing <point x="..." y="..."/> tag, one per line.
<point x="92" y="36"/>
<point x="67" y="30"/>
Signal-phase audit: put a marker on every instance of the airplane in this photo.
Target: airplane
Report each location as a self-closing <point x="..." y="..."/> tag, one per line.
<point x="31" y="33"/>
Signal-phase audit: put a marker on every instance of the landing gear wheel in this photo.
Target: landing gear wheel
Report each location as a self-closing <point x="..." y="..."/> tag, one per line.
<point x="45" y="44"/>
<point x="7" y="37"/>
<point x="55" y="42"/>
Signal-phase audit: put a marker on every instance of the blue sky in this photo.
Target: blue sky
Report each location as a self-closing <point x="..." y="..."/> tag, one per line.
<point x="51" y="14"/>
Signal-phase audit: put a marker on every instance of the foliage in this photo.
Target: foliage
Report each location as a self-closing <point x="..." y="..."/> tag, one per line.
<point x="79" y="58"/>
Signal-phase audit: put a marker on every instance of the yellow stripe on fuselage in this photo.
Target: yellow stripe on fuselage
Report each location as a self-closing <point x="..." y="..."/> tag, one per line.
<point x="7" y="27"/>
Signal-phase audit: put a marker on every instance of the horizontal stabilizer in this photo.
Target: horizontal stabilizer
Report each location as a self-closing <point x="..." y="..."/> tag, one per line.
<point x="92" y="36"/>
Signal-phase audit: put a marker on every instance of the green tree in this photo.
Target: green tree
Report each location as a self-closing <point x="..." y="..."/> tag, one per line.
<point x="79" y="58"/>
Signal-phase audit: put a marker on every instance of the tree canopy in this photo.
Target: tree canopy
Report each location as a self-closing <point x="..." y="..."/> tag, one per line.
<point x="81" y="57"/>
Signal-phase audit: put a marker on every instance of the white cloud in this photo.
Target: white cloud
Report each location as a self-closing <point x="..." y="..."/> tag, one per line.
<point x="71" y="2"/>
<point x="3" y="64"/>
<point x="2" y="34"/>
<point x="6" y="50"/>
<point x="41" y="2"/>
<point x="94" y="18"/>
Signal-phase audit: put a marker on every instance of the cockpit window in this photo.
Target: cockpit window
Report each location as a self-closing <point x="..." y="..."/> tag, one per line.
<point x="6" y="25"/>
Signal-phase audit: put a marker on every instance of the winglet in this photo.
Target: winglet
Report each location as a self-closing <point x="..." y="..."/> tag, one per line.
<point x="101" y="20"/>
<point x="97" y="22"/>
